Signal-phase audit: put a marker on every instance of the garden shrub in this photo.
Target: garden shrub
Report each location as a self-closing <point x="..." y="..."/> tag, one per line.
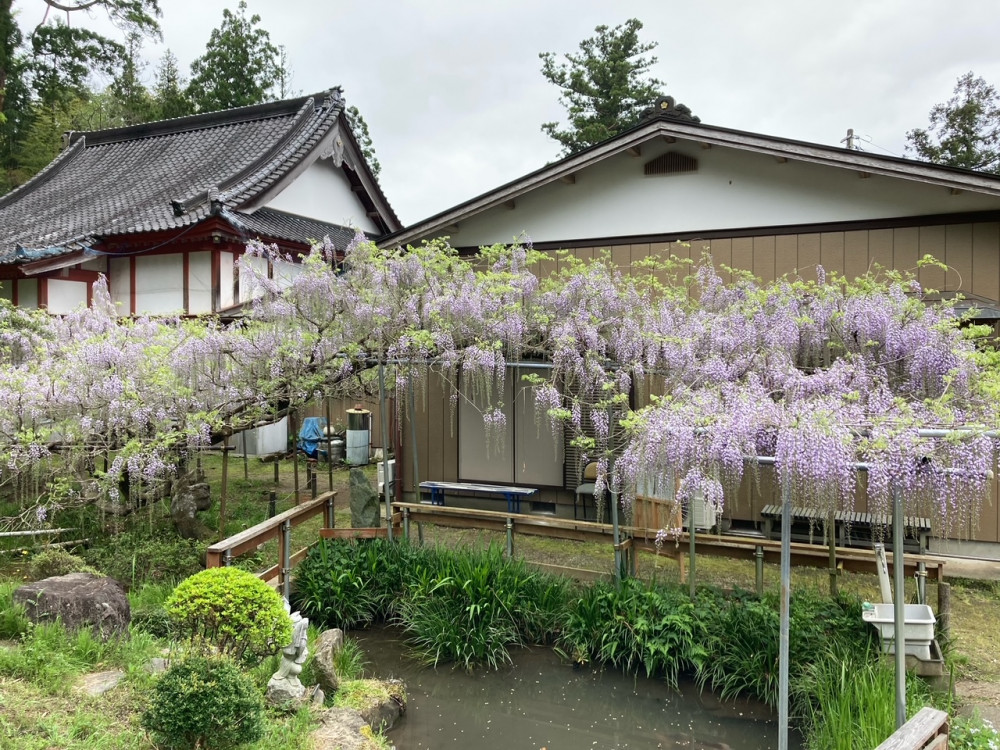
<point x="204" y="702"/>
<point x="57" y="562"/>
<point x="232" y="611"/>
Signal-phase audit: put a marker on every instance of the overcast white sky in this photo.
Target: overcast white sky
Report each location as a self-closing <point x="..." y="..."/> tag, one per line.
<point x="454" y="98"/>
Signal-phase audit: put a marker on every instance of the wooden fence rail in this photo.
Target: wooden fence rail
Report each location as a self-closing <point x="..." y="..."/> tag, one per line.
<point x="280" y="527"/>
<point x="927" y="730"/>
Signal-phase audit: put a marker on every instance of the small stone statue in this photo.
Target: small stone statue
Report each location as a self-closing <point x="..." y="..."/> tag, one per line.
<point x="285" y="686"/>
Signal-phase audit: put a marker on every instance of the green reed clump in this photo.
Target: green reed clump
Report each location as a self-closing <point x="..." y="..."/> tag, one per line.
<point x="466" y="606"/>
<point x="349" y="584"/>
<point x="13" y="620"/>
<point x="473" y="606"/>
<point x="744" y="633"/>
<point x="847" y="699"/>
<point x="635" y="626"/>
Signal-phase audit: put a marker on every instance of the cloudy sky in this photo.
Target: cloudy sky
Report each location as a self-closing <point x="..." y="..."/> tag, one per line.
<point x="454" y="98"/>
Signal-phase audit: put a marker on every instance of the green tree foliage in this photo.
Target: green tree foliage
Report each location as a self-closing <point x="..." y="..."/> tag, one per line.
<point x="130" y="100"/>
<point x="964" y="131"/>
<point x="604" y="87"/>
<point x="240" y="66"/>
<point x="361" y="134"/>
<point x="45" y="73"/>
<point x="170" y="97"/>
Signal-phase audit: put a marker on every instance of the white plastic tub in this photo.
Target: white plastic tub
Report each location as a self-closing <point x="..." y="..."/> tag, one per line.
<point x="918" y="627"/>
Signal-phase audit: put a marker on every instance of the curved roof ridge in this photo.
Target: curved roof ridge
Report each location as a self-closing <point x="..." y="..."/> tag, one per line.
<point x="199" y="121"/>
<point x="185" y="204"/>
<point x="47" y="173"/>
<point x="297" y="143"/>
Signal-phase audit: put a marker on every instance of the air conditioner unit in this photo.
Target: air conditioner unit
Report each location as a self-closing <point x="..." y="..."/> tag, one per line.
<point x="381" y="476"/>
<point x="704" y="512"/>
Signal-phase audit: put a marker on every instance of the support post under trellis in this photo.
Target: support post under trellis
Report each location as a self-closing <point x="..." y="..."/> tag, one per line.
<point x="224" y="493"/>
<point x="385" y="451"/>
<point x="412" y="411"/>
<point x="898" y="604"/>
<point x="329" y="447"/>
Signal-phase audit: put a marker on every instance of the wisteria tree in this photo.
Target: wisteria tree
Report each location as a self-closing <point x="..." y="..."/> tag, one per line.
<point x="655" y="370"/>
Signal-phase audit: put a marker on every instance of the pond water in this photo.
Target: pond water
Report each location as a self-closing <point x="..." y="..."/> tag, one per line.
<point x="539" y="702"/>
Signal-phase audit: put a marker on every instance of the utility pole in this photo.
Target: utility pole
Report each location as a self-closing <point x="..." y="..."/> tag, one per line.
<point x="849" y="140"/>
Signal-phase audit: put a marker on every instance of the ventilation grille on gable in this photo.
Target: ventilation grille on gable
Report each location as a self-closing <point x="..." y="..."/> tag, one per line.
<point x="671" y="162"/>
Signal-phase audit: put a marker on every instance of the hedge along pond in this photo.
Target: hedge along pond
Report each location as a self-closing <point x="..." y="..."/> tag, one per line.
<point x="474" y="611"/>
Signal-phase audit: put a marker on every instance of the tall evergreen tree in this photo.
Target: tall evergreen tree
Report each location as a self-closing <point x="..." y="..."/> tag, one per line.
<point x="965" y="130"/>
<point x="130" y="100"/>
<point x="240" y="65"/>
<point x="604" y="88"/>
<point x="51" y="67"/>
<point x="170" y="98"/>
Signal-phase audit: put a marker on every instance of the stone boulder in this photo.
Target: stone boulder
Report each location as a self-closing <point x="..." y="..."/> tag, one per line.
<point x="383" y="713"/>
<point x="79" y="600"/>
<point x="186" y="501"/>
<point x="325" y="650"/>
<point x="364" y="501"/>
<point x="342" y="729"/>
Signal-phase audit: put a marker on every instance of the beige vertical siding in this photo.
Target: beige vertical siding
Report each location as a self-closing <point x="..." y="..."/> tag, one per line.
<point x="972" y="252"/>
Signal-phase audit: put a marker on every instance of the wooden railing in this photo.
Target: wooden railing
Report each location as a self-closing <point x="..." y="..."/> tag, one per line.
<point x="280" y="527"/>
<point x="927" y="730"/>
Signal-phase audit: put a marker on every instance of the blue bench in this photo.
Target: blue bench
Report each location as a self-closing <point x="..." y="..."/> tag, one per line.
<point x="513" y="495"/>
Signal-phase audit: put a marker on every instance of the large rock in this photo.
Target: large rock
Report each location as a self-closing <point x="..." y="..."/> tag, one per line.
<point x="364" y="501"/>
<point x="79" y="600"/>
<point x="185" y="502"/>
<point x="325" y="650"/>
<point x="383" y="713"/>
<point x="342" y="729"/>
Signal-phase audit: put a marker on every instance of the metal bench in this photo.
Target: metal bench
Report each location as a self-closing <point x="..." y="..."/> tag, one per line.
<point x="513" y="495"/>
<point x="848" y="524"/>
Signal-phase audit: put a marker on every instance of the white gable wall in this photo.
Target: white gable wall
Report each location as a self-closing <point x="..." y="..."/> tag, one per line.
<point x="731" y="189"/>
<point x="323" y="192"/>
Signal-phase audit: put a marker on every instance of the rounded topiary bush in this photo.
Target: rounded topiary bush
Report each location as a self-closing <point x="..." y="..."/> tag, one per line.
<point x="205" y="702"/>
<point x="232" y="611"/>
<point x="57" y="562"/>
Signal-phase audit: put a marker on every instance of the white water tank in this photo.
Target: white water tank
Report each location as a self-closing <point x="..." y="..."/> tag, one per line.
<point x="358" y="436"/>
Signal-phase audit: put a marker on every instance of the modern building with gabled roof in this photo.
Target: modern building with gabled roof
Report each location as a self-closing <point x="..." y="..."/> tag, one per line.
<point x="672" y="185"/>
<point x="164" y="209"/>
